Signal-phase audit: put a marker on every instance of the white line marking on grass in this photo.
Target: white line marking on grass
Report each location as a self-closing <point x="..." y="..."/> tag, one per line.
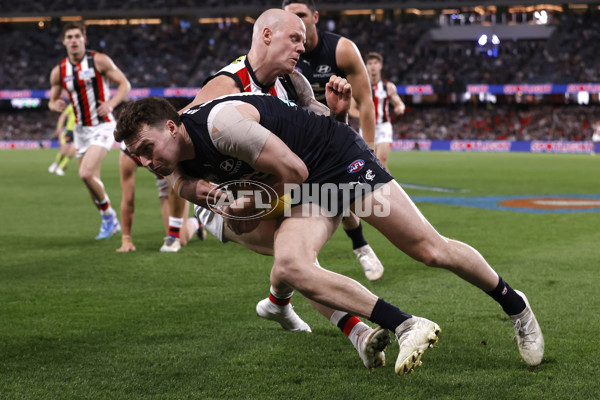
<point x="432" y="188"/>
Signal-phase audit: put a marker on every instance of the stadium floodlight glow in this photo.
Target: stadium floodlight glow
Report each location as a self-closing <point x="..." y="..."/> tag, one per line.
<point x="482" y="40"/>
<point x="541" y="17"/>
<point x="495" y="39"/>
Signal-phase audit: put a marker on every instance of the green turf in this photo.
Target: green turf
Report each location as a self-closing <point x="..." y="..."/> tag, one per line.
<point x="80" y="321"/>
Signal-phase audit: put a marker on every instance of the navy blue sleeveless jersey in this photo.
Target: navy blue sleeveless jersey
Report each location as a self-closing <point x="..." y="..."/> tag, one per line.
<point x="333" y="152"/>
<point x="318" y="65"/>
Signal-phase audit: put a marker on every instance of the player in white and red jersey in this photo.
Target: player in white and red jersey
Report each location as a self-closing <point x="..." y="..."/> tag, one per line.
<point x="384" y="94"/>
<point x="239" y="76"/>
<point x="85" y="76"/>
<point x="243" y="75"/>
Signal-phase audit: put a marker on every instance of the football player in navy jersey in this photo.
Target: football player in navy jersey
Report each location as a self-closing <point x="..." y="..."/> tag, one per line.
<point x="269" y="67"/>
<point x="267" y="140"/>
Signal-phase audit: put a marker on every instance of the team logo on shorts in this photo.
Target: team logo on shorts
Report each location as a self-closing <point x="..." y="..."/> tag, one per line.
<point x="355" y="166"/>
<point x="369" y="175"/>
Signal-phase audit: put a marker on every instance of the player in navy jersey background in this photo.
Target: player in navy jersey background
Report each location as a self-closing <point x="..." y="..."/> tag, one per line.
<point x="329" y="54"/>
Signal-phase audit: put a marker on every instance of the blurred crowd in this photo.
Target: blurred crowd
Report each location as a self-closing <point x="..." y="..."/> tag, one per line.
<point x="487" y="122"/>
<point x="45" y="6"/>
<point x="27" y="124"/>
<point x="185" y="54"/>
<point x="149" y="55"/>
<point x="566" y="57"/>
<point x="464" y="121"/>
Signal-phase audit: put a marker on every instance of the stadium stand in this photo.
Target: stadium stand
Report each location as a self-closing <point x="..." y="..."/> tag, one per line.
<point x="502" y="122"/>
<point x="178" y="53"/>
<point x="170" y="55"/>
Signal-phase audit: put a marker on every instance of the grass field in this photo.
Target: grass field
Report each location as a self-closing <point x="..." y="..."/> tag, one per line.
<point x="80" y="321"/>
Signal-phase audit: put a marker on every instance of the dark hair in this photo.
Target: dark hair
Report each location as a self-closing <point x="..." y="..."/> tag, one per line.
<point x="150" y="110"/>
<point x="374" y="56"/>
<point x="309" y="3"/>
<point x="73" y="25"/>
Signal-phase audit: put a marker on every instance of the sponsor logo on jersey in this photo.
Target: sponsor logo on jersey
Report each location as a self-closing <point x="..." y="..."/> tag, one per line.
<point x="227" y="165"/>
<point x="323" y="69"/>
<point x="355" y="166"/>
<point x="230" y="166"/>
<point x="86" y="74"/>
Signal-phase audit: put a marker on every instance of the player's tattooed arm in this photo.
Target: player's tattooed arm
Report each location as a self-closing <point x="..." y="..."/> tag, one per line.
<point x="306" y="96"/>
<point x="335" y="92"/>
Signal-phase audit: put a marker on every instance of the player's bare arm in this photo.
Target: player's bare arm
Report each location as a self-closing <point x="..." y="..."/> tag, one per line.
<point x="219" y="86"/>
<point x="56" y="103"/>
<point x="354" y="112"/>
<point x="107" y="67"/>
<point x="306" y="96"/>
<point x="197" y="191"/>
<point x="338" y="91"/>
<point x="395" y="100"/>
<point x="260" y="148"/>
<point x="60" y="124"/>
<point x="349" y="60"/>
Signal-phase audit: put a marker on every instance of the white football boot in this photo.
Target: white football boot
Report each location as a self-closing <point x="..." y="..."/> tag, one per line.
<point x="415" y="335"/>
<point x="528" y="334"/>
<point x="370" y="263"/>
<point x="53" y="167"/>
<point x="171" y="245"/>
<point x="284" y="315"/>
<point x="370" y="344"/>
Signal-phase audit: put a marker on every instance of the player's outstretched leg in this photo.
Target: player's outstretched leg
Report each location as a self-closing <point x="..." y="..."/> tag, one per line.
<point x="415" y="335"/>
<point x="528" y="334"/>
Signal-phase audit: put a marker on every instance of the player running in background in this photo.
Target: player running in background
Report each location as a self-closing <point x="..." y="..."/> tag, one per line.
<point x="329" y="54"/>
<point x="384" y="94"/>
<point x="85" y="76"/>
<point x="64" y="132"/>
